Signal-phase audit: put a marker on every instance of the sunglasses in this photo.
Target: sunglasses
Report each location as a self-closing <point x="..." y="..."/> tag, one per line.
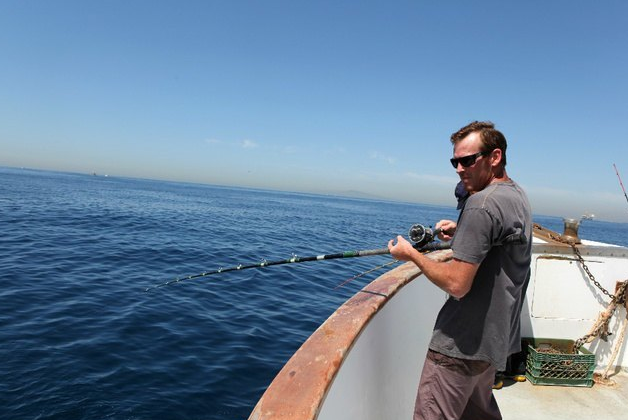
<point x="466" y="161"/>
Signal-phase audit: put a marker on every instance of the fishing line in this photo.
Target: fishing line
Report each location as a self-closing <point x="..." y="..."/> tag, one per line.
<point x="379" y="267"/>
<point x="423" y="238"/>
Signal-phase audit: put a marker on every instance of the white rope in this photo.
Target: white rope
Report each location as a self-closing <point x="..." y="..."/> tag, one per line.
<point x="620" y="341"/>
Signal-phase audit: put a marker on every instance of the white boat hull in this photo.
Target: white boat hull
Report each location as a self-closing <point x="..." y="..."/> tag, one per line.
<point x="365" y="361"/>
<point x="387" y="358"/>
<point x="563" y="303"/>
<point x="370" y="350"/>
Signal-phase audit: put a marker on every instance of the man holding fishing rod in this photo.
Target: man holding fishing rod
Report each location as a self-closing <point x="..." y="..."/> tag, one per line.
<point x="478" y="327"/>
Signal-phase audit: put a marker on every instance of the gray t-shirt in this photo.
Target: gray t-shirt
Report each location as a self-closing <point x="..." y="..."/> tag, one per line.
<point x="494" y="230"/>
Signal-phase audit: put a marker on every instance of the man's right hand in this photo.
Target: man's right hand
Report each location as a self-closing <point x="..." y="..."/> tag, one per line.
<point x="448" y="228"/>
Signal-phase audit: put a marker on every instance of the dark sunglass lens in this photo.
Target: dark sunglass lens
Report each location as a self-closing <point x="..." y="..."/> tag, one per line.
<point x="467" y="160"/>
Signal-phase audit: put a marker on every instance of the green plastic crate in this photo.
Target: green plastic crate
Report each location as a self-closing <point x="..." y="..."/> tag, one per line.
<point x="558" y="367"/>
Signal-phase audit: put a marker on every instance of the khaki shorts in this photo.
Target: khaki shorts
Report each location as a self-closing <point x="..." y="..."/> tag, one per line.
<point x="453" y="389"/>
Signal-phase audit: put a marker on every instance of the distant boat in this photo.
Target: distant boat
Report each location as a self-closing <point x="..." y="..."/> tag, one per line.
<point x="364" y="362"/>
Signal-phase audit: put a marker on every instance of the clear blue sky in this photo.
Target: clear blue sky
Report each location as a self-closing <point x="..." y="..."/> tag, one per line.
<point x="321" y="96"/>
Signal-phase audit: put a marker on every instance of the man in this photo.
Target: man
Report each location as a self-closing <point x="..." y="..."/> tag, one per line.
<point x="478" y="326"/>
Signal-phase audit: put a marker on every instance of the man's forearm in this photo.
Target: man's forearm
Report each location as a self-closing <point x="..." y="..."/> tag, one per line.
<point x="454" y="277"/>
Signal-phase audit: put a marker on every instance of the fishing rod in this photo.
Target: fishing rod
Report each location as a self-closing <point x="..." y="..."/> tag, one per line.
<point x="423" y="238"/>
<point x="620" y="183"/>
<point x="416" y="235"/>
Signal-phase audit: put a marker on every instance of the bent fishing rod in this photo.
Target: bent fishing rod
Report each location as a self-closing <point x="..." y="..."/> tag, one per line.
<point x="620" y="183"/>
<point x="423" y="238"/>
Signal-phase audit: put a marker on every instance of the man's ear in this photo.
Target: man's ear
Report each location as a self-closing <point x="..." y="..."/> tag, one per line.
<point x="496" y="157"/>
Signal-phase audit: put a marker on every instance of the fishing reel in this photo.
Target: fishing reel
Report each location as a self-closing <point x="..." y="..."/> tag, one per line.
<point x="422" y="235"/>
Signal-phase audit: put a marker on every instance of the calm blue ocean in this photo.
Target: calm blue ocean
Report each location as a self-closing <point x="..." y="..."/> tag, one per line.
<point x="81" y="339"/>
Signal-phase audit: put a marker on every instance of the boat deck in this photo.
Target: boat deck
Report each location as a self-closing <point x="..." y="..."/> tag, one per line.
<point x="524" y="401"/>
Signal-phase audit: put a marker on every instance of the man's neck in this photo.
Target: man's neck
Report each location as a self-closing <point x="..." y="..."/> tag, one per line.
<point x="500" y="176"/>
